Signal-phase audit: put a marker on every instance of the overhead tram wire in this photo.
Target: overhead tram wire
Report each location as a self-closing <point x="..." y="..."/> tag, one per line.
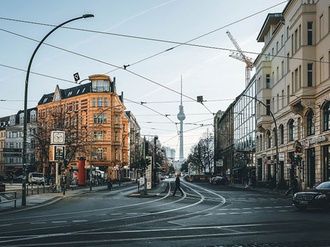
<point x="164" y="115"/>
<point x="100" y="61"/>
<point x="103" y="62"/>
<point x="187" y="43"/>
<point x="36" y="73"/>
<point x="178" y="44"/>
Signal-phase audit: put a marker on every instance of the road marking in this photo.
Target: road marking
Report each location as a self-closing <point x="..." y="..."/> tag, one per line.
<point x="79" y="221"/>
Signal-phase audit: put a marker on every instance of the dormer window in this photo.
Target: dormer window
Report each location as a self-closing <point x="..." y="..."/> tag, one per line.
<point x="101" y="86"/>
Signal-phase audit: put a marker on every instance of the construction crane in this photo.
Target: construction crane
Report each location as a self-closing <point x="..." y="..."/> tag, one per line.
<point x="239" y="55"/>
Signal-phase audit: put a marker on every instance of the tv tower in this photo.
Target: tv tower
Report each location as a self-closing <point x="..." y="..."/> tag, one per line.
<point x="181" y="117"/>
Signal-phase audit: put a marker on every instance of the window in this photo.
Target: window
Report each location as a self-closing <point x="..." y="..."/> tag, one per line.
<point x="310" y="123"/>
<point x="100" y="102"/>
<point x="99" y="135"/>
<point x="100" y="118"/>
<point x="274" y="134"/>
<point x="281" y="135"/>
<point x="309" y="74"/>
<point x="269" y="140"/>
<point x="268" y="81"/>
<point x="101" y="86"/>
<point x="296" y="80"/>
<point x="295" y="40"/>
<point x="322" y="71"/>
<point x="268" y="107"/>
<point x="93" y="102"/>
<point x="291" y="130"/>
<point x="326" y="116"/>
<point x="309" y="33"/>
<point x="321" y="27"/>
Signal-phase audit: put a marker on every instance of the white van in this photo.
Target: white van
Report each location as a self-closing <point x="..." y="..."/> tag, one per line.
<point x="36" y="178"/>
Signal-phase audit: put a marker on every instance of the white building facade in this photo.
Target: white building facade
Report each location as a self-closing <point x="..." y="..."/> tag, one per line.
<point x="293" y="80"/>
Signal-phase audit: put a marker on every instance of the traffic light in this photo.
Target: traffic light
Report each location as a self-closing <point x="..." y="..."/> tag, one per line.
<point x="148" y="160"/>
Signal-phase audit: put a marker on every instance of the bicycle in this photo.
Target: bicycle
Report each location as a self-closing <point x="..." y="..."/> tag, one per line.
<point x="52" y="188"/>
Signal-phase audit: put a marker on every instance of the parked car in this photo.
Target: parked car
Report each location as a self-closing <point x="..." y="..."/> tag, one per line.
<point x="218" y="180"/>
<point x="20" y="178"/>
<point x="319" y="197"/>
<point x="36" y="178"/>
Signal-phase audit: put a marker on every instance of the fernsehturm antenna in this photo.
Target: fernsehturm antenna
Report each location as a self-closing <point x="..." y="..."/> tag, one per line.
<point x="181" y="117"/>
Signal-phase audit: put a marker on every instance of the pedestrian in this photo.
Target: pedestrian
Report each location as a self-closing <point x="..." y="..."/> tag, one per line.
<point x="11" y="178"/>
<point x="294" y="185"/>
<point x="177" y="185"/>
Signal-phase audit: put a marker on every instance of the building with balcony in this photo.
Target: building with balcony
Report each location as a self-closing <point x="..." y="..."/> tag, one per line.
<point x="293" y="80"/>
<point x="92" y="115"/>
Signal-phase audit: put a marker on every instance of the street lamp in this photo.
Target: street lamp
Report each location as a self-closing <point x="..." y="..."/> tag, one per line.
<point x="276" y="136"/>
<point x="154" y="161"/>
<point x="26" y="98"/>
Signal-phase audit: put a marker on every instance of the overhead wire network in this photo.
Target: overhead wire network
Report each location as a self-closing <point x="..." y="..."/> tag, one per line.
<point x="124" y="67"/>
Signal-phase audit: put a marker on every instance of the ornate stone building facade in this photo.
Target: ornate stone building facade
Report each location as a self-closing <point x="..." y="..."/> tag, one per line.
<point x="293" y="80"/>
<point x="92" y="115"/>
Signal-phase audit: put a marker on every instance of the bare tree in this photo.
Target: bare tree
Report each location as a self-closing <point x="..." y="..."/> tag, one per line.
<point x="201" y="158"/>
<point x="65" y="118"/>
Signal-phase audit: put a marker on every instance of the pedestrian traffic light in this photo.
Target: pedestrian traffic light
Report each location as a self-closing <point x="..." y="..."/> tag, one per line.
<point x="148" y="161"/>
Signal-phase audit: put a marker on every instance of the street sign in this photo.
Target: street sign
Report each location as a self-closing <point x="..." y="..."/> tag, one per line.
<point x="281" y="156"/>
<point x="76" y="77"/>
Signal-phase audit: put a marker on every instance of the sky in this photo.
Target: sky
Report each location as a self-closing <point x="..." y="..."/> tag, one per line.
<point x="164" y="42"/>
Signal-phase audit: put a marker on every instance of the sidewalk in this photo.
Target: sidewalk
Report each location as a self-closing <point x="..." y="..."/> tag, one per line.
<point x="260" y="189"/>
<point x="42" y="198"/>
<point x="155" y="191"/>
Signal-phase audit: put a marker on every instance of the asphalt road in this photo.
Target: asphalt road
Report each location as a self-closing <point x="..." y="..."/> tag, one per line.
<point x="207" y="215"/>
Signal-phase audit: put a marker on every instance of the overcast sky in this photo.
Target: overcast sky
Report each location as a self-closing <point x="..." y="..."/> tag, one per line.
<point x="148" y="35"/>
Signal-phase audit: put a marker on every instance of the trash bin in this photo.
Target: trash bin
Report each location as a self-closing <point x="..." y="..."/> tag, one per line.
<point x="2" y="187"/>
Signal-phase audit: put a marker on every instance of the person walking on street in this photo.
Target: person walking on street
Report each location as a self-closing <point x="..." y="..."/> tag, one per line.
<point x="11" y="178"/>
<point x="177" y="185"/>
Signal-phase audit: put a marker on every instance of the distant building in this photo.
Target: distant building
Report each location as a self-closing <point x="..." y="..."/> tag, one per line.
<point x="4" y="122"/>
<point x="13" y="148"/>
<point x="135" y="146"/>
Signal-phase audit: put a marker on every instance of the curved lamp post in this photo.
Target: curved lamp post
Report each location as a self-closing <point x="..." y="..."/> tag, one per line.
<point x="25" y="102"/>
<point x="276" y="137"/>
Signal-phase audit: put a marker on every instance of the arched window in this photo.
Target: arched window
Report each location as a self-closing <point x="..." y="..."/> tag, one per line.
<point x="310" y="123"/>
<point x="281" y="134"/>
<point x="326" y="116"/>
<point x="291" y="130"/>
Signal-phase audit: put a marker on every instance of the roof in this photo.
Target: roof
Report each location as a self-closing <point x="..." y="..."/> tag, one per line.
<point x="272" y="19"/>
<point x="66" y="93"/>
